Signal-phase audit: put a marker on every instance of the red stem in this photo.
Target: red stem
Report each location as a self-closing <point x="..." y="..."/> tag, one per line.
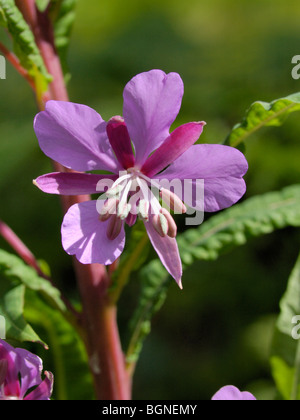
<point x="21" y="249"/>
<point x="16" y="63"/>
<point x="99" y="316"/>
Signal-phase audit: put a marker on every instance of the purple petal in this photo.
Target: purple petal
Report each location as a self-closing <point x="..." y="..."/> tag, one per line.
<point x="231" y="393"/>
<point x="73" y="183"/>
<point x="120" y="141"/>
<point x="179" y="141"/>
<point x="11" y="382"/>
<point x="221" y="167"/>
<point x="30" y="367"/>
<point x="151" y="103"/>
<point x="167" y="250"/>
<point x="84" y="235"/>
<point x="43" y="391"/>
<point x="75" y="136"/>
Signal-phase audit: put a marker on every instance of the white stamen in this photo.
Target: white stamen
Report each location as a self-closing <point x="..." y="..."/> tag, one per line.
<point x="123" y="210"/>
<point x="160" y="224"/>
<point x="109" y="208"/>
<point x="143" y="209"/>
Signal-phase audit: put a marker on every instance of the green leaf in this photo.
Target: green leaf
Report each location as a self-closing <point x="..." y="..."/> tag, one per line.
<point x="24" y="43"/>
<point x="42" y="4"/>
<point x="285" y="357"/>
<point x="11" y="308"/>
<point x="15" y="269"/>
<point x="222" y="232"/>
<point x="263" y="114"/>
<point x="67" y="357"/>
<point x="155" y="282"/>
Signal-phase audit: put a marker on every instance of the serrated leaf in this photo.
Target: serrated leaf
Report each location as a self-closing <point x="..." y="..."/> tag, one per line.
<point x="263" y="114"/>
<point x="24" y="44"/>
<point x="15" y="269"/>
<point x="285" y="357"/>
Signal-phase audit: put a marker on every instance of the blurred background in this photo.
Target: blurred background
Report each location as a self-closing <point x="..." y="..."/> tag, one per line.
<point x="217" y="331"/>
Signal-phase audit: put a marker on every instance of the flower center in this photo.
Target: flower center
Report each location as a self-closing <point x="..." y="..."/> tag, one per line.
<point x="134" y="195"/>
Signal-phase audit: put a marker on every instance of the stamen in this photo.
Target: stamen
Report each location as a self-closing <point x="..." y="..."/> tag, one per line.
<point x="109" y="208"/>
<point x="173" y="201"/>
<point x="149" y="196"/>
<point x="123" y="210"/>
<point x="160" y="224"/>
<point x="143" y="209"/>
<point x="172" y="227"/>
<point x="114" y="191"/>
<point x="114" y="227"/>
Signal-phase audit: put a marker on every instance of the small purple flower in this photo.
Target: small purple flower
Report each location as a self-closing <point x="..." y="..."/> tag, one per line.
<point x="231" y="393"/>
<point x="139" y="151"/>
<point x="20" y="375"/>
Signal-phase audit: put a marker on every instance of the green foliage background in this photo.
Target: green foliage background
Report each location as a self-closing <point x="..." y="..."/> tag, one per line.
<point x="218" y="330"/>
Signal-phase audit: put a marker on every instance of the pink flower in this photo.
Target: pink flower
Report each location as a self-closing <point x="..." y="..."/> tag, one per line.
<point x="139" y="151"/>
<point x="20" y="375"/>
<point x="231" y="393"/>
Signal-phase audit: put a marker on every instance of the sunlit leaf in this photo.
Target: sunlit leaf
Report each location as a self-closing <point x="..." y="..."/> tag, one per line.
<point x="263" y="114"/>
<point x="11" y="308"/>
<point x="15" y="269"/>
<point x="24" y="43"/>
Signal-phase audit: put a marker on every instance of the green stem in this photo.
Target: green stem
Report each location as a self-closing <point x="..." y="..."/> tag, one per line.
<point x="115" y="292"/>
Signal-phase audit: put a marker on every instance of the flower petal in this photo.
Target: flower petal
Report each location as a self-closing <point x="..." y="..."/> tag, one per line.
<point x="167" y="250"/>
<point x="30" y="368"/>
<point x="43" y="391"/>
<point x="231" y="393"/>
<point x="84" y="235"/>
<point x="221" y="167"/>
<point x="75" y="136"/>
<point x="11" y="382"/>
<point x="73" y="183"/>
<point x="179" y="141"/>
<point x="151" y="103"/>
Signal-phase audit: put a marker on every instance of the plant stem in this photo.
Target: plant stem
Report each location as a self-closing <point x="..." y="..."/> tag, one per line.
<point x="21" y="249"/>
<point x="17" y="65"/>
<point x="99" y="320"/>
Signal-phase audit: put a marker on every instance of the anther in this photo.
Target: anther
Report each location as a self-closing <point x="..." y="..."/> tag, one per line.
<point x="114" y="191"/>
<point x="160" y="224"/>
<point x="172" y="227"/>
<point x="114" y="227"/>
<point x="109" y="208"/>
<point x="172" y="201"/>
<point x="143" y="209"/>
